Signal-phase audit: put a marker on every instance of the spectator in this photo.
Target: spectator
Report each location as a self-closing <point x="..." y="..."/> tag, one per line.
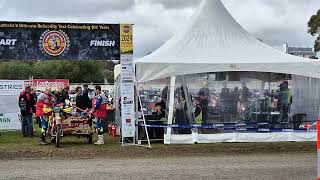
<point x="285" y="100"/>
<point x="160" y="110"/>
<point x="33" y="97"/>
<point x="61" y="96"/>
<point x="86" y="100"/>
<point x="197" y="111"/>
<point x="80" y="100"/>
<point x="25" y="104"/>
<point x="203" y="102"/>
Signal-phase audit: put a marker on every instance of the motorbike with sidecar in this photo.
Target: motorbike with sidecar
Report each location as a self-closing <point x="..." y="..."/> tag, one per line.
<point x="66" y="121"/>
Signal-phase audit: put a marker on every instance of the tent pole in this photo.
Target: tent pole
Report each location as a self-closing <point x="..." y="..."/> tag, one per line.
<point x="167" y="139"/>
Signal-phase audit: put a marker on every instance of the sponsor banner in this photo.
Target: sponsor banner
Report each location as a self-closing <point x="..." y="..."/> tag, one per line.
<point x="11" y="87"/>
<point x="126" y="38"/>
<point x="10" y="121"/>
<point x="50" y="83"/>
<point x="127" y="96"/>
<point x="62" y="41"/>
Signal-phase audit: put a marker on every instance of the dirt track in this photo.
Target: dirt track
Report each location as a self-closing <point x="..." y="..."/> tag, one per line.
<point x="278" y="166"/>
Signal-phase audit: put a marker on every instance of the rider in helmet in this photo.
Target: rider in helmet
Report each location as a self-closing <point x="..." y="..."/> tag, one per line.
<point x="99" y="106"/>
<point x="44" y="101"/>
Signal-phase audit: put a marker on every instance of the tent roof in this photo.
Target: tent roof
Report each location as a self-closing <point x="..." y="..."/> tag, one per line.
<point x="214" y="42"/>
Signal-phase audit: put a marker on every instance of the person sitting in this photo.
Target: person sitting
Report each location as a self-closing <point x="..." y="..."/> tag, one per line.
<point x="160" y="110"/>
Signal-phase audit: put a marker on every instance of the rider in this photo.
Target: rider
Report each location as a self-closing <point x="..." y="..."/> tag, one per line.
<point x="44" y="101"/>
<point x="99" y="105"/>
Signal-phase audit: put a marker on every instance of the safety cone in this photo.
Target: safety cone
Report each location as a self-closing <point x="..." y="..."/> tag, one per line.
<point x="114" y="130"/>
<point x="109" y="128"/>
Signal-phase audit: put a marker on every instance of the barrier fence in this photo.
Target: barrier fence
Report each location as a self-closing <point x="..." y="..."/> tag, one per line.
<point x="231" y="127"/>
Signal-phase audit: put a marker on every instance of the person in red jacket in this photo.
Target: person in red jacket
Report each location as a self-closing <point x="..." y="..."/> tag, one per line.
<point x="44" y="101"/>
<point x="99" y="111"/>
<point x="25" y="104"/>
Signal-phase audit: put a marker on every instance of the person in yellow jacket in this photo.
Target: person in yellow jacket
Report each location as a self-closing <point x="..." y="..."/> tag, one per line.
<point x="285" y="98"/>
<point x="197" y="111"/>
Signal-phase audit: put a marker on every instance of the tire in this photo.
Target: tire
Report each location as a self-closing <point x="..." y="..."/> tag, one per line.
<point x="58" y="135"/>
<point x="89" y="138"/>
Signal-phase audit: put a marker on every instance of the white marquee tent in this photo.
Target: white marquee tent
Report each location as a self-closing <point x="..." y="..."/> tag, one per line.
<point x="214" y="41"/>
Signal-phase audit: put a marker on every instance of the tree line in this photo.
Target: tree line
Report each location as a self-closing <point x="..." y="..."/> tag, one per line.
<point x="314" y="29"/>
<point x="75" y="71"/>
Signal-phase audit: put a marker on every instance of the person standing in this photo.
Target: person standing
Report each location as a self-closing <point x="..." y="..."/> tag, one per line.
<point x="99" y="111"/>
<point x="81" y="101"/>
<point x="44" y="101"/>
<point x="285" y="100"/>
<point x="61" y="96"/>
<point x="33" y="99"/>
<point x="25" y="104"/>
<point x="87" y="103"/>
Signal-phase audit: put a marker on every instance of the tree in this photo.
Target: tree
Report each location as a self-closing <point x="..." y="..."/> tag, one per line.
<point x="314" y="29"/>
<point x="75" y="71"/>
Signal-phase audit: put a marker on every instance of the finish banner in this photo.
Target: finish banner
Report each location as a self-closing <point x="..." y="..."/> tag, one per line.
<point x="59" y="41"/>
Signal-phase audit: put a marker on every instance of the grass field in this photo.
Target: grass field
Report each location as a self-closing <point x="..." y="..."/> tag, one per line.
<point x="13" y="145"/>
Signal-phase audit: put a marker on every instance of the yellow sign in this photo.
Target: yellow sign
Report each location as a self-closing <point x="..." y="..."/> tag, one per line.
<point x="126" y="42"/>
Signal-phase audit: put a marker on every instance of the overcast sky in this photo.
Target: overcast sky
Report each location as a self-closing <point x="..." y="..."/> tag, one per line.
<point x="273" y="21"/>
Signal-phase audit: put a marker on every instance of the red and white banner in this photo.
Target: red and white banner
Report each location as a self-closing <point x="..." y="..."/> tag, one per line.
<point x="50" y="83"/>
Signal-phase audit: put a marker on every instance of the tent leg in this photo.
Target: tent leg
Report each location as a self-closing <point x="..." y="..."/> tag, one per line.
<point x="167" y="139"/>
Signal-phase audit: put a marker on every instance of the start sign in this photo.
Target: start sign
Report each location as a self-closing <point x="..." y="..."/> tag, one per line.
<point x="8" y="42"/>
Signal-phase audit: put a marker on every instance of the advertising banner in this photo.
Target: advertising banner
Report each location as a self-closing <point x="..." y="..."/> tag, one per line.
<point x="54" y="84"/>
<point x="9" y="108"/>
<point x="127" y="96"/>
<point x="11" y="87"/>
<point x="59" y="41"/>
<point x="127" y="82"/>
<point x="9" y="121"/>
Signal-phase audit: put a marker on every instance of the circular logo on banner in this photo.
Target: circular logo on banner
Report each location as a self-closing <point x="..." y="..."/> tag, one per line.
<point x="126" y="28"/>
<point x="54" y="43"/>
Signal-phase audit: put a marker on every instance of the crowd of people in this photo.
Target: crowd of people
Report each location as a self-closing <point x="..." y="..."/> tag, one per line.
<point x="229" y="105"/>
<point x="93" y="102"/>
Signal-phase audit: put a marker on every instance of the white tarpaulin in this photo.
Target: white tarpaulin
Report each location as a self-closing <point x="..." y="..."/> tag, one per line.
<point x="241" y="137"/>
<point x="214" y="42"/>
<point x="9" y="108"/>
